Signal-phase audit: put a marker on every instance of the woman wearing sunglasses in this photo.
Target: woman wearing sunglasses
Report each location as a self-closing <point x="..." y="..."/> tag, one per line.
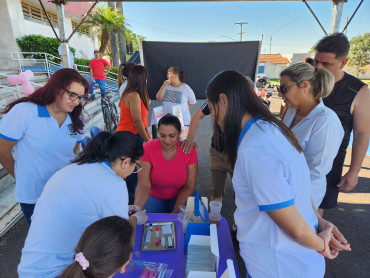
<point x="168" y="176"/>
<point x="89" y="189"/>
<point x="316" y="126"/>
<point x="46" y="129"/>
<point x="279" y="232"/>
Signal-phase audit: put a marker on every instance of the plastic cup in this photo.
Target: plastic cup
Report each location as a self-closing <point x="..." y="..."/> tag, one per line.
<point x="215" y="211"/>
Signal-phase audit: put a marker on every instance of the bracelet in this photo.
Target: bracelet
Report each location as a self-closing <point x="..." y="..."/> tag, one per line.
<point x="324" y="244"/>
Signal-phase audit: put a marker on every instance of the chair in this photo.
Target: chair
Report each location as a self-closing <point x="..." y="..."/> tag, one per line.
<point x="86" y="141"/>
<point x="94" y="130"/>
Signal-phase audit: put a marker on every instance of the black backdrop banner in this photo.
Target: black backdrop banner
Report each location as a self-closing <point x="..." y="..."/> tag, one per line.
<point x="199" y="61"/>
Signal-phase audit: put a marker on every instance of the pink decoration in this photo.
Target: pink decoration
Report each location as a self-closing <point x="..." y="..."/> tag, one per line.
<point x="24" y="79"/>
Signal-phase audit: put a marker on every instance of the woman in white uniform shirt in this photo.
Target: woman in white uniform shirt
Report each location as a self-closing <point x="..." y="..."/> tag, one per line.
<point x="90" y="188"/>
<point x="122" y="75"/>
<point x="174" y="91"/>
<point x="45" y="128"/>
<point x="277" y="225"/>
<point x="317" y="127"/>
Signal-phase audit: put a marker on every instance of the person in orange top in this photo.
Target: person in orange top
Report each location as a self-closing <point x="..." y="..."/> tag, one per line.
<point x="134" y="106"/>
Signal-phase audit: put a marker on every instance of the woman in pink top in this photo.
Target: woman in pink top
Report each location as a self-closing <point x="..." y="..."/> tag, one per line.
<point x="168" y="176"/>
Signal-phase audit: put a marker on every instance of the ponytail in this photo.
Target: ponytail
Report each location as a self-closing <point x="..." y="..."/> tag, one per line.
<point x="107" y="246"/>
<point x="179" y="72"/>
<point x="321" y="80"/>
<point x="323" y="84"/>
<point x="109" y="147"/>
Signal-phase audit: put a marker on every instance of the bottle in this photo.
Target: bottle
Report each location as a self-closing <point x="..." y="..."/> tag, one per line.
<point x="157" y="231"/>
<point x="154" y="131"/>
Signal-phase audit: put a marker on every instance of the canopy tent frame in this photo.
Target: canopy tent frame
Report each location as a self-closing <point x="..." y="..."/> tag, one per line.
<point x="336" y="16"/>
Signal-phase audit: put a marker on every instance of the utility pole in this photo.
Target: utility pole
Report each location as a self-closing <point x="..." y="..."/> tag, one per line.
<point x="270" y="44"/>
<point x="241" y="28"/>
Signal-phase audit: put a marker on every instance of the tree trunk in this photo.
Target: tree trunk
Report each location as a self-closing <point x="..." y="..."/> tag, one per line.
<point x="105" y="36"/>
<point x="114" y="41"/>
<point x="121" y="37"/>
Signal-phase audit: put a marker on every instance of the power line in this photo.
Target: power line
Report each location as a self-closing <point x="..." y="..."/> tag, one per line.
<point x="162" y="29"/>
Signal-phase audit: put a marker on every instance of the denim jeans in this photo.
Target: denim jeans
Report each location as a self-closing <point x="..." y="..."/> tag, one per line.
<point x="27" y="210"/>
<point x="159" y="206"/>
<point x="101" y="84"/>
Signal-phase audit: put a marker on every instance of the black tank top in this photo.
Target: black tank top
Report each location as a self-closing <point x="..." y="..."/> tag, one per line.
<point x="340" y="101"/>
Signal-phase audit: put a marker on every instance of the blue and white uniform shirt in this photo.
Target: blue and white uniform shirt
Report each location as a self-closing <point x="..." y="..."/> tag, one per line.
<point x="42" y="147"/>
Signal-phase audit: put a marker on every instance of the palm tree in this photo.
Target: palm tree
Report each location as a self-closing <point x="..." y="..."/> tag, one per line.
<point x="114" y="40"/>
<point x="107" y="21"/>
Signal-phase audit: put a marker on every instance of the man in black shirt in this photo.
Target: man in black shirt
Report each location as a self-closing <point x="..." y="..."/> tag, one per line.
<point x="350" y="100"/>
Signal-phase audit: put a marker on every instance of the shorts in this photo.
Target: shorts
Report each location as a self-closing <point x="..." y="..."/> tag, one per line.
<point x="219" y="168"/>
<point x="332" y="191"/>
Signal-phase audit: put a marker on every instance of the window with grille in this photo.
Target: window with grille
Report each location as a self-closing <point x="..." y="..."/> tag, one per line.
<point x="81" y="30"/>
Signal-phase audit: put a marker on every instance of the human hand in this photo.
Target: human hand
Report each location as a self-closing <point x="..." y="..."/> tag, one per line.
<point x="348" y="182"/>
<point x="337" y="241"/>
<point x="187" y="145"/>
<point x="166" y="82"/>
<point x="133" y="209"/>
<point x="141" y="217"/>
<point x="327" y="235"/>
<point x="92" y="79"/>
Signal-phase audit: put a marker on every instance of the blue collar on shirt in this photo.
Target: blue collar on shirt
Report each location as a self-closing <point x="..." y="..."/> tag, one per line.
<point x="245" y="129"/>
<point x="107" y="163"/>
<point x="43" y="112"/>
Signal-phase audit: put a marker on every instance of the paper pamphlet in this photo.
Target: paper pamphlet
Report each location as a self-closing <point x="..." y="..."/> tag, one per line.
<point x="158" y="113"/>
<point x="176" y="111"/>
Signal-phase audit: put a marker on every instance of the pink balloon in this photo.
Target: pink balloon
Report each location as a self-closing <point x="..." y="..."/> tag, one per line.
<point x="14" y="80"/>
<point x="27" y="75"/>
<point x="27" y="88"/>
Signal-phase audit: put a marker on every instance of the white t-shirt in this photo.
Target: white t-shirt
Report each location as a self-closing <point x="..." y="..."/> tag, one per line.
<point x="182" y="95"/>
<point x="320" y="134"/>
<point x="42" y="147"/>
<point x="122" y="88"/>
<point x="270" y="174"/>
<point x="73" y="198"/>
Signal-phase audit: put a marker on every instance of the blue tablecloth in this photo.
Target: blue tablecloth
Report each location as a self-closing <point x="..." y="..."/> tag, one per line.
<point x="175" y="259"/>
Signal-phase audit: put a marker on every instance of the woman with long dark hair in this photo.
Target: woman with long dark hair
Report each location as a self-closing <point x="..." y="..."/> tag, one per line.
<point x="135" y="104"/>
<point x="90" y="188"/>
<point x="45" y="128"/>
<point x="104" y="248"/>
<point x="122" y="75"/>
<point x="279" y="231"/>
<point x="175" y="91"/>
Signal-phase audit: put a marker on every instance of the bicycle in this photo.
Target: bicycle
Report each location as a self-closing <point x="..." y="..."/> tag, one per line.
<point x="110" y="112"/>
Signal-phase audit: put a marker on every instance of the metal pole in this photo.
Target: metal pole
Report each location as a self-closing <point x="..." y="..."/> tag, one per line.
<point x="62" y="34"/>
<point x="51" y="24"/>
<point x="304" y="1"/>
<point x="345" y="27"/>
<point x="336" y="17"/>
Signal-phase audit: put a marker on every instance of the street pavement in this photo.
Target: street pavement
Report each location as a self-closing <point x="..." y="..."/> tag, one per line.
<point x="352" y="216"/>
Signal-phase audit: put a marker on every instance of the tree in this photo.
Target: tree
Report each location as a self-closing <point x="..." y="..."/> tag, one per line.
<point x="121" y="37"/>
<point x="359" y="54"/>
<point x="113" y="39"/>
<point x="107" y="21"/>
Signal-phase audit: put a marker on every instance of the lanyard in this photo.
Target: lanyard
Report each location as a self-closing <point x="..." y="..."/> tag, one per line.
<point x="244" y="131"/>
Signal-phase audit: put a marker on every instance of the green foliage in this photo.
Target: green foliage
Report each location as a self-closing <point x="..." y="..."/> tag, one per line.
<point x="83" y="62"/>
<point x="359" y="54"/>
<point x="39" y="43"/>
<point x="115" y="70"/>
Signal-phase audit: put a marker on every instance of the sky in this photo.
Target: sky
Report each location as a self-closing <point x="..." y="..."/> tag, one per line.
<point x="291" y="26"/>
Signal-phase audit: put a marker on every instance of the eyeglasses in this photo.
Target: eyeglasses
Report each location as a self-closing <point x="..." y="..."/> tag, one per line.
<point x="137" y="168"/>
<point x="73" y="96"/>
<point x="283" y="89"/>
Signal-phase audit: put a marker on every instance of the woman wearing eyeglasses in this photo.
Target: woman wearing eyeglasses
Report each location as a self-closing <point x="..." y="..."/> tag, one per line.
<point x="316" y="126"/>
<point x="45" y="129"/>
<point x="89" y="189"/>
<point x="168" y="176"/>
